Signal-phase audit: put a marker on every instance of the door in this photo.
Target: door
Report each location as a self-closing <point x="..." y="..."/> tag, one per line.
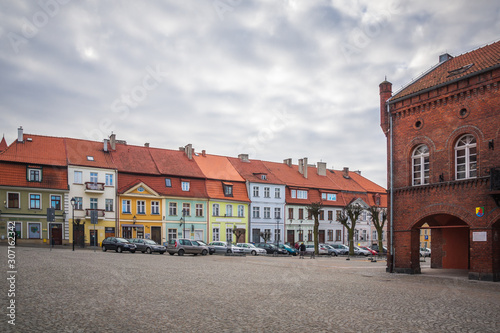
<point x="127" y="232"/>
<point x="321" y="236"/>
<point x="290" y="237"/>
<point x="156" y="234"/>
<point x="198" y="235"/>
<point x="34" y="230"/>
<point x="79" y="234"/>
<point x="56" y="234"/>
<point x="109" y="232"/>
<point x="94" y="239"/>
<point x="256" y="235"/>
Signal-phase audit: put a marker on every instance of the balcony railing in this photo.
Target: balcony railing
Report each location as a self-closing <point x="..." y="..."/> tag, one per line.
<point x="100" y="212"/>
<point x="94" y="187"/>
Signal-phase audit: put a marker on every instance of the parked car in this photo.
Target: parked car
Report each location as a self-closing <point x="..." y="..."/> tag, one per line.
<point x="321" y="249"/>
<point x="375" y="248"/>
<point x="341" y="248"/>
<point x="271" y="248"/>
<point x="331" y="251"/>
<point x="211" y="249"/>
<point x="251" y="249"/>
<point x="361" y="252"/>
<point x="185" y="246"/>
<point x="425" y="252"/>
<point x="223" y="247"/>
<point x="118" y="244"/>
<point x="147" y="245"/>
<point x="373" y="252"/>
<point x="291" y="250"/>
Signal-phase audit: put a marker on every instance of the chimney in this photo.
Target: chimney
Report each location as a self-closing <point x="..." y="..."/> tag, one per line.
<point x="305" y="167"/>
<point x="203" y="152"/>
<point x="288" y="162"/>
<point x="322" y="168"/>
<point x="301" y="166"/>
<point x="20" y="134"/>
<point x="385" y="89"/>
<point x="146" y="144"/>
<point x="444" y="57"/>
<point x="112" y="141"/>
<point x="105" y="148"/>
<point x="345" y="172"/>
<point x="188" y="149"/>
<point x="243" y="157"/>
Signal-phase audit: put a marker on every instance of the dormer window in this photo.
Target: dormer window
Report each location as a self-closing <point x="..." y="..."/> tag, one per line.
<point x="263" y="177"/>
<point x="185" y="186"/>
<point x="228" y="189"/>
<point x="34" y="174"/>
<point x="90" y="158"/>
<point x="168" y="182"/>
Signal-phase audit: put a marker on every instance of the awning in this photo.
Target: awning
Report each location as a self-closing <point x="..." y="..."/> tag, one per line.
<point x="133" y="225"/>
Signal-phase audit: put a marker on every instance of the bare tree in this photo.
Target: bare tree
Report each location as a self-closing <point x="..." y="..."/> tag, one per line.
<point x="314" y="210"/>
<point x="266" y="235"/>
<point x="238" y="232"/>
<point x="379" y="221"/>
<point x="348" y="219"/>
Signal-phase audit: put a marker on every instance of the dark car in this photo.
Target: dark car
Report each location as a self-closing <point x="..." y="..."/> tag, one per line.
<point x="271" y="248"/>
<point x="291" y="250"/>
<point x="147" y="245"/>
<point x="118" y="244"/>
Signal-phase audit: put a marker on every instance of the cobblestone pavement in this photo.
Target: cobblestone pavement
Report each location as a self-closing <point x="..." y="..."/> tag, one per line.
<point x="87" y="291"/>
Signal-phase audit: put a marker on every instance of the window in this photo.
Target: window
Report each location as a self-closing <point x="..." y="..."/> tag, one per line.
<point x="229" y="210"/>
<point x="356" y="235"/>
<point x="330" y="215"/>
<point x="90" y="158"/>
<point x="338" y="235"/>
<point x="35" y="175"/>
<point x="263" y="177"/>
<point x="93" y="177"/>
<point x="267" y="192"/>
<point x="330" y="236"/>
<point x="331" y="197"/>
<point x="339" y="213"/>
<point x="277" y="213"/>
<point x="186" y="209"/>
<point x="34" y="231"/>
<point x="309" y="235"/>
<point x="277" y="193"/>
<point x="215" y="234"/>
<point x="420" y="165"/>
<point x="255" y="191"/>
<point x="241" y="211"/>
<point x="256" y="212"/>
<point x="126" y="206"/>
<point x="168" y="182"/>
<point x="172" y="234"/>
<point x="293" y="193"/>
<point x="55" y="202"/>
<point x="109" y="205"/>
<point x="290" y="213"/>
<point x="301" y="213"/>
<point x="35" y="201"/>
<point x="229" y="234"/>
<point x="78" y="177"/>
<point x="199" y="210"/>
<point x="301" y="235"/>
<point x="78" y="203"/>
<point x="93" y="203"/>
<point x="321" y="214"/>
<point x="466" y="157"/>
<point x="109" y="179"/>
<point x="172" y="208"/>
<point x="13" y="200"/>
<point x="155" y="207"/>
<point x="215" y="209"/>
<point x="301" y="194"/>
<point x="277" y="235"/>
<point x="267" y="212"/>
<point x="185" y="186"/>
<point x="228" y="190"/>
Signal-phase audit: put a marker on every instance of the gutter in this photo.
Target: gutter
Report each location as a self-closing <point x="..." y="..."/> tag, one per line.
<point x="391" y="187"/>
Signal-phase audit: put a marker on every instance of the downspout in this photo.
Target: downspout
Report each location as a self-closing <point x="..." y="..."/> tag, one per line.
<point x="391" y="170"/>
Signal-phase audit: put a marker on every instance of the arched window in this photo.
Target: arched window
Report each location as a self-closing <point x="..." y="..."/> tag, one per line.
<point x="420" y="165"/>
<point x="466" y="157"/>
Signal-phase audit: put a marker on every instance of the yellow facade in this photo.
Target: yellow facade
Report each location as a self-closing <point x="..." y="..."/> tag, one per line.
<point x="425" y="236"/>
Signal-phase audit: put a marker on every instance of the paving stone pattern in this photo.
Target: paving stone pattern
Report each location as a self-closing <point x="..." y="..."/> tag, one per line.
<point x="87" y="291"/>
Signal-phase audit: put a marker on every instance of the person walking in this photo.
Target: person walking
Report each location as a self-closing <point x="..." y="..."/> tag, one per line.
<point x="302" y="250"/>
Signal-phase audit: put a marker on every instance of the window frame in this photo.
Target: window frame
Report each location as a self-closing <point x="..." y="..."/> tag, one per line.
<point x="79" y="179"/>
<point x="32" y="171"/>
<point x="467" y="147"/>
<point x="109" y="180"/>
<point x="215" y="209"/>
<point x="108" y="205"/>
<point x="126" y="203"/>
<point x="58" y="202"/>
<point x="155" y="207"/>
<point x="199" y="209"/>
<point x="172" y="208"/>
<point x="39" y="200"/>
<point x="420" y="159"/>
<point x="185" y="186"/>
<point x="18" y="200"/>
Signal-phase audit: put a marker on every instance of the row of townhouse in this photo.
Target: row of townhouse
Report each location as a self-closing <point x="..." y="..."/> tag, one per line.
<point x="161" y="194"/>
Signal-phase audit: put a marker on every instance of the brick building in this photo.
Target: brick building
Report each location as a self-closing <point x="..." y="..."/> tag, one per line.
<point x="443" y="164"/>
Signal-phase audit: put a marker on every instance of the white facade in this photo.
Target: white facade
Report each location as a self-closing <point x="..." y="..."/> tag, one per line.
<point x="267" y="211"/>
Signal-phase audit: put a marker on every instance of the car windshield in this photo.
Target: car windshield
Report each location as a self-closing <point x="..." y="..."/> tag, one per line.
<point x="201" y="243"/>
<point x="149" y="241"/>
<point x="122" y="240"/>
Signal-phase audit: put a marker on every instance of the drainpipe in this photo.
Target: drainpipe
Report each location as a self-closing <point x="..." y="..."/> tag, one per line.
<point x="391" y="220"/>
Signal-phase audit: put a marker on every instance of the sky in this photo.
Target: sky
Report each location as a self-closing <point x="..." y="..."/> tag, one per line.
<point x="273" y="79"/>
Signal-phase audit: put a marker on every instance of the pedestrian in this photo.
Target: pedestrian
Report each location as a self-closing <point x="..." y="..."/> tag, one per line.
<point x="302" y="250"/>
<point x="313" y="254"/>
<point x="297" y="246"/>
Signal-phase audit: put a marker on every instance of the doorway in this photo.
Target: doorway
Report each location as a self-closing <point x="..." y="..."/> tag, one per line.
<point x="290" y="237"/>
<point x="56" y="234"/>
<point x="156" y="234"/>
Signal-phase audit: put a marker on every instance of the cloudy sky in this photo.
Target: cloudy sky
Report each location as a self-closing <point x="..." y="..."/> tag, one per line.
<point x="274" y="79"/>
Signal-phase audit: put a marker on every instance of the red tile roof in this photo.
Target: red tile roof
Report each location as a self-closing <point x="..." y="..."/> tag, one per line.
<point x="253" y="170"/>
<point x="134" y="159"/>
<point x="197" y="187"/>
<point x="3" y="144"/>
<point x="291" y="176"/>
<point x="15" y="174"/>
<point x="88" y="153"/>
<point x="217" y="167"/>
<point x="175" y="162"/>
<point x="455" y="68"/>
<point x="215" y="191"/>
<point x="37" y="149"/>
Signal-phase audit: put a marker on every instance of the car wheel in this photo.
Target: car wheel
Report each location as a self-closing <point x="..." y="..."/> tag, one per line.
<point x="162" y="252"/>
<point x="148" y="250"/>
<point x="181" y="252"/>
<point x="254" y="253"/>
<point x="204" y="252"/>
<point x="229" y="251"/>
<point x="171" y="253"/>
<point x="275" y="252"/>
<point x="104" y="248"/>
<point x="119" y="249"/>
<point x="132" y="251"/>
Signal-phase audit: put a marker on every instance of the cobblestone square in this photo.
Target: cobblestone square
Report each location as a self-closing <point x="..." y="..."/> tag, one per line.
<point x="87" y="291"/>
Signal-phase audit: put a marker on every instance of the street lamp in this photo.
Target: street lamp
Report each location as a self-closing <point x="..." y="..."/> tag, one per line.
<point x="183" y="221"/>
<point x="278" y="233"/>
<point x="73" y="202"/>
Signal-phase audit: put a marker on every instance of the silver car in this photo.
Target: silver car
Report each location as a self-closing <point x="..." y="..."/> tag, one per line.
<point x="185" y="246"/>
<point x="222" y="247"/>
<point x="251" y="249"/>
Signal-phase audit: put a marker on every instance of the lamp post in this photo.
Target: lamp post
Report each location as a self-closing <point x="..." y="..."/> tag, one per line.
<point x="73" y="202"/>
<point x="278" y="233"/>
<point x="183" y="221"/>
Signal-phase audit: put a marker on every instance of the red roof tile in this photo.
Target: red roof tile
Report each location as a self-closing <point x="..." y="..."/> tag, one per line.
<point x="88" y="153"/>
<point x="175" y="162"/>
<point x="37" y="149"/>
<point x="134" y="159"/>
<point x="253" y="170"/>
<point x="291" y="176"/>
<point x="197" y="187"/>
<point x="217" y="167"/>
<point x="455" y="68"/>
<point x="15" y="174"/>
<point x="215" y="190"/>
<point x="3" y="144"/>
